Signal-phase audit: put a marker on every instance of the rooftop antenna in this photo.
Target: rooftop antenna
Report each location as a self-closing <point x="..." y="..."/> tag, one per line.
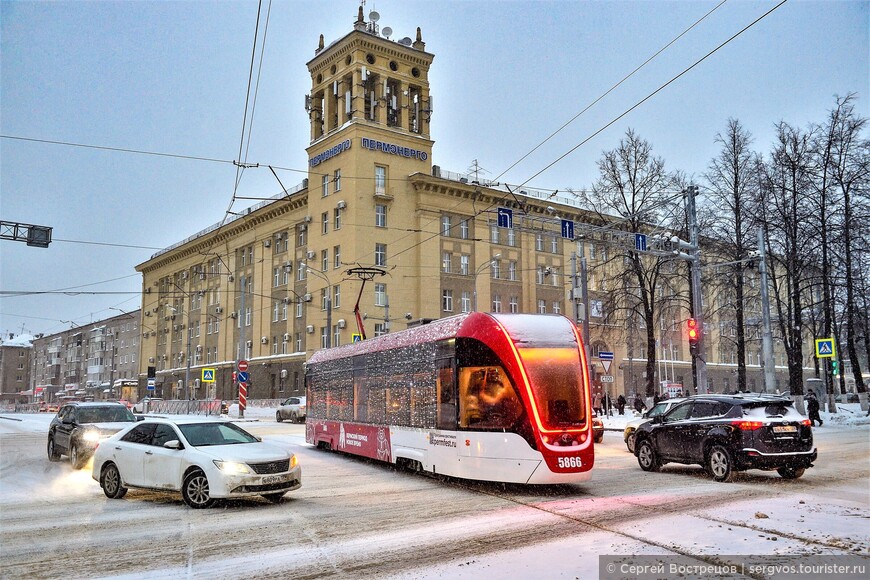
<point x="476" y="170"/>
<point x="373" y="22"/>
<point x="387" y="31"/>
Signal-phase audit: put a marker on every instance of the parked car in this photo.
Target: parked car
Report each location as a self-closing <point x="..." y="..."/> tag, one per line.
<point x="293" y="409"/>
<point x="631" y="426"/>
<point x="79" y="427"/>
<point x="144" y="405"/>
<point x="597" y="429"/>
<point x="729" y="433"/>
<point x="204" y="460"/>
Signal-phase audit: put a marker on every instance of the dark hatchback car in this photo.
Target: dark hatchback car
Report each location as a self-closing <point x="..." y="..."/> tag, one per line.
<point x="79" y="427"/>
<point x="729" y="433"/>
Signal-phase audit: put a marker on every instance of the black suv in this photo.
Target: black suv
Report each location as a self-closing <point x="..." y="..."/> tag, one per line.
<point x="729" y="433"/>
<point x="78" y="428"/>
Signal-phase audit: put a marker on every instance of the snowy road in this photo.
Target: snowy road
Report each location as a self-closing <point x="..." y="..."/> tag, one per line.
<point x="354" y="519"/>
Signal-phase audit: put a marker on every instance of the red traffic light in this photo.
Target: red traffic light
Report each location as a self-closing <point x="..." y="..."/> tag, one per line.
<point x="692" y="326"/>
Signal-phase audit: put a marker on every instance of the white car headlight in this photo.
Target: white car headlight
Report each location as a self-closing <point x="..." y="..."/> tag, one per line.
<point x="233" y="467"/>
<point x="91" y="436"/>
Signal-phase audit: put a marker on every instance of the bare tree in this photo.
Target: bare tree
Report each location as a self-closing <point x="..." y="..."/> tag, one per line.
<point x="633" y="191"/>
<point x="791" y="234"/>
<point x="733" y="192"/>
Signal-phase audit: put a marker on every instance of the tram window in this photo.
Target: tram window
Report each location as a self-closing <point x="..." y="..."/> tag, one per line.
<point x="487" y="398"/>
<point x="446" y="395"/>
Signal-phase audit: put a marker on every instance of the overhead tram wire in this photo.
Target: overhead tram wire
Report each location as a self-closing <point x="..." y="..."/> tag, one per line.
<point x="611" y="89"/>
<point x="626" y="112"/>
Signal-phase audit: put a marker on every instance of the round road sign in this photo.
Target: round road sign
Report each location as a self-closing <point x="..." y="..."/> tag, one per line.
<point x="243" y="365"/>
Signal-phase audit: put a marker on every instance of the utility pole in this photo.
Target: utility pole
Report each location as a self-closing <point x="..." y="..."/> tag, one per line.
<point x="766" y="336"/>
<point x="242" y="344"/>
<point x="692" y="255"/>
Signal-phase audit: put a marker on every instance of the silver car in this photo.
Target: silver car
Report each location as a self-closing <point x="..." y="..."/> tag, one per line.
<point x="293" y="409"/>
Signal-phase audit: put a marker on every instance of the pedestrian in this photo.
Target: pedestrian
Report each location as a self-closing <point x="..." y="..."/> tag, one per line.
<point x="639" y="405"/>
<point x="620" y="403"/>
<point x="596" y="404"/>
<point x="813" y="409"/>
<point x="656" y="399"/>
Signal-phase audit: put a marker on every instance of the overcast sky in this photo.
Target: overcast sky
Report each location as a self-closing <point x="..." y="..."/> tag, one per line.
<point x="171" y="77"/>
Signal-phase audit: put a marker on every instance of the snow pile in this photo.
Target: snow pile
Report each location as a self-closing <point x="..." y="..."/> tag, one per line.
<point x="22" y="340"/>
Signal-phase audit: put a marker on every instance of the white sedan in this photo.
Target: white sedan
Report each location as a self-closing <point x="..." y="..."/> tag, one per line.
<point x="204" y="460"/>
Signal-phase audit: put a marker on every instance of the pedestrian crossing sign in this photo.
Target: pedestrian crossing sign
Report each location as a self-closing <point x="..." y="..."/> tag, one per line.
<point x="825" y="348"/>
<point x="208" y="375"/>
<point x="356" y="337"/>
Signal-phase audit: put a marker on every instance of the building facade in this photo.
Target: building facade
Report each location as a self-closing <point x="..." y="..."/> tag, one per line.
<point x="87" y="362"/>
<point x="15" y="352"/>
<point x="377" y="222"/>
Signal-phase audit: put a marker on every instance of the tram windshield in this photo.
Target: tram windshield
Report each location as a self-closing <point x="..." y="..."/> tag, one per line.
<point x="556" y="379"/>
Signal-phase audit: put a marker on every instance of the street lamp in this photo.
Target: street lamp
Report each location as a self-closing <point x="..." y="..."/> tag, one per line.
<point x="477" y="272"/>
<point x="320" y="274"/>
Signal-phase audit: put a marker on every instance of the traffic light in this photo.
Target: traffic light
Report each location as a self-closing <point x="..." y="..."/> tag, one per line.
<point x="835" y="367"/>
<point x="692" y="334"/>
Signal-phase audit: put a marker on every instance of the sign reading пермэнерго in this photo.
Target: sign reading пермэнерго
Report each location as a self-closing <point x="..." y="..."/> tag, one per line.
<point x="375" y="145"/>
<point x="329" y="153"/>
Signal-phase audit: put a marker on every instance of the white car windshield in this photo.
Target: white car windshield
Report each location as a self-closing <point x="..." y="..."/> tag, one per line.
<point x="205" y="434"/>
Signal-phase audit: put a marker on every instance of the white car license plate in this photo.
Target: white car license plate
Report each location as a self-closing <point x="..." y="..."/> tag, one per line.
<point x="275" y="479"/>
<point x="784" y="429"/>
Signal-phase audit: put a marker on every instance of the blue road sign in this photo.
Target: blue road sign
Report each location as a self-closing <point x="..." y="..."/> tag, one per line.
<point x="605" y="355"/>
<point x="825" y="348"/>
<point x="505" y="218"/>
<point x="356" y="337"/>
<point x="640" y="242"/>
<point x="151" y="384"/>
<point x="242" y="377"/>
<point x="568" y="229"/>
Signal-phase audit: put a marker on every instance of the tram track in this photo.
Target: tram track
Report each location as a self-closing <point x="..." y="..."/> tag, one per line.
<point x="689" y="507"/>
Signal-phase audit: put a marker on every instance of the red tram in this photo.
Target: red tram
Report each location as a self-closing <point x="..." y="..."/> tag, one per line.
<point x="494" y="397"/>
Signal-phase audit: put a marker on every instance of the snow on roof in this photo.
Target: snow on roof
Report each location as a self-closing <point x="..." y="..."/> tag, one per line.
<point x="22" y="340"/>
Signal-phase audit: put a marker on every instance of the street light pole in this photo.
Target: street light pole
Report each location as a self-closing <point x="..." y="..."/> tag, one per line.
<point x="477" y="272"/>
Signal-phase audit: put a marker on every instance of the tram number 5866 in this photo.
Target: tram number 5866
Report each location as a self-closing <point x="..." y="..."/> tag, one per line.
<point x="566" y="462"/>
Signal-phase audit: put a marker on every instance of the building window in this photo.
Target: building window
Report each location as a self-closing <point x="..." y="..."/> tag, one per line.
<point x="285" y="276"/>
<point x="496" y="269"/>
<point x="463" y="265"/>
<point x="540" y="274"/>
<point x="298" y="342"/>
<point x="380" y="294"/>
<point x="276" y="309"/>
<point x="336" y="296"/>
<point x="496" y="303"/>
<point x="445" y="225"/>
<point x="542" y="307"/>
<point x="275" y="345"/>
<point x="325" y="182"/>
<point x="324" y="260"/>
<point x="380" y="329"/>
<point x="514" y="304"/>
<point x="493" y="233"/>
<point x="554" y="245"/>
<point x="301" y="237"/>
<point x="324" y="222"/>
<point x="466" y="301"/>
<point x="380" y="180"/>
<point x="539" y="242"/>
<point x="299" y="309"/>
<point x="336" y="255"/>
<point x="463" y="229"/>
<point x="277" y="277"/>
<point x="323" y="336"/>
<point x="557" y="307"/>
<point x="247" y="316"/>
<point x="446" y="259"/>
<point x="336" y="218"/>
<point x="284" y="306"/>
<point x="380" y="216"/>
<point x="300" y="271"/>
<point x="324" y="297"/>
<point x="447" y="301"/>
<point x="336" y="335"/>
<point x="380" y="254"/>
<point x="336" y="180"/>
<point x="512" y="238"/>
<point x="512" y="270"/>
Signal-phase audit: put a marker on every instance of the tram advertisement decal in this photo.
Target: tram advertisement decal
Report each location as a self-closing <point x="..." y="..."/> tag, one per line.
<point x="367" y="440"/>
<point x="442" y="440"/>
